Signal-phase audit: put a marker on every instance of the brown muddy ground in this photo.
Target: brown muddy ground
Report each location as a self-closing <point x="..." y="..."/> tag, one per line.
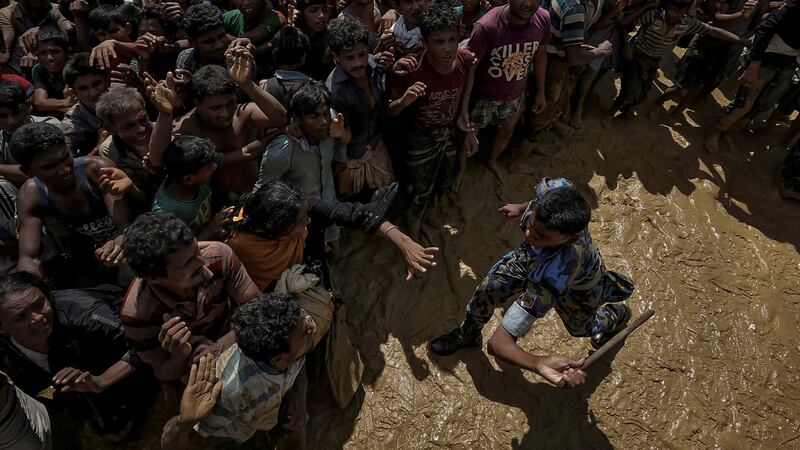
<point x="713" y="249"/>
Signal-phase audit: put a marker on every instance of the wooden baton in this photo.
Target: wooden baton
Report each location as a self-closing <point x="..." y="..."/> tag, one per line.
<point x="614" y="341"/>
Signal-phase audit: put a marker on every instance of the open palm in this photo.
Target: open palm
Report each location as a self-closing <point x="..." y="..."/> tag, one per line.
<point x="201" y="393"/>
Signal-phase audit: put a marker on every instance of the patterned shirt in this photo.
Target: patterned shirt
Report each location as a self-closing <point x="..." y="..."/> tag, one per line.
<point x="566" y="24"/>
<point x="80" y="127"/>
<point x="208" y="315"/>
<point x="655" y="37"/>
<point x="250" y="397"/>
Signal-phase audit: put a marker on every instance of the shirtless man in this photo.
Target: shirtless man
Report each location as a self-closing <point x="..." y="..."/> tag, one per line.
<point x="74" y="200"/>
<point x="217" y="116"/>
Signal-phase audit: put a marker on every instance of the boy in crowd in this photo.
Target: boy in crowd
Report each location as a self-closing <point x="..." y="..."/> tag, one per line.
<point x="776" y="47"/>
<point x="406" y="31"/>
<point x="208" y="39"/>
<point x="110" y="24"/>
<point x="15" y="111"/>
<point x="509" y="43"/>
<point x="707" y="60"/>
<point x="67" y="196"/>
<point x="189" y="164"/>
<point x="181" y="303"/>
<point x="20" y="21"/>
<point x="433" y="92"/>
<point x="558" y="266"/>
<point x="52" y="49"/>
<point x="72" y="340"/>
<point x="567" y="53"/>
<point x="289" y="50"/>
<point x="356" y="86"/>
<point x="81" y="126"/>
<point x="257" y="384"/>
<point x="267" y="382"/>
<point x="157" y="45"/>
<point x="218" y="117"/>
<point x="313" y="21"/>
<point x="659" y="31"/>
<point x="123" y="113"/>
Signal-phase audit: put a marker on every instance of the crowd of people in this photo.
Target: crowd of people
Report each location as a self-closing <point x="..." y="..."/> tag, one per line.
<point x="174" y="178"/>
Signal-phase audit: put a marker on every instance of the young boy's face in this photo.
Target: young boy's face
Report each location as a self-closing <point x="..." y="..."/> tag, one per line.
<point x="412" y="11"/>
<point x="55" y="169"/>
<point x="217" y="111"/>
<point x="316" y="18"/>
<point x="251" y="9"/>
<point x="10" y="119"/>
<point x="316" y="125"/>
<point x="51" y="56"/>
<point x="538" y="235"/>
<point x="211" y="45"/>
<point x="116" y="31"/>
<point x="354" y="61"/>
<point x="152" y="26"/>
<point x="441" y="46"/>
<point x="132" y="128"/>
<point x="88" y="88"/>
<point x="673" y="13"/>
<point x="523" y="9"/>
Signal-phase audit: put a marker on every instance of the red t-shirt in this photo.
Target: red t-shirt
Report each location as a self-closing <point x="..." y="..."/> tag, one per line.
<point x="440" y="105"/>
<point x="505" y="53"/>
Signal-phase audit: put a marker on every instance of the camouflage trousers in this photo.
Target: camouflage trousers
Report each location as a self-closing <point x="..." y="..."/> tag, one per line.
<point x="586" y="309"/>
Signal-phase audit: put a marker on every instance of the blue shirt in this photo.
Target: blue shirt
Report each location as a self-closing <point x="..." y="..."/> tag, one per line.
<point x="566" y="24"/>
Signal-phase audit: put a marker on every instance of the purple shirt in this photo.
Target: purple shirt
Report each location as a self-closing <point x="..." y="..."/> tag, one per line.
<point x="505" y="53"/>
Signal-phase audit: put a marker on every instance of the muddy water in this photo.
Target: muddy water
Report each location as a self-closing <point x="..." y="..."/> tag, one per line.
<point x="712" y="248"/>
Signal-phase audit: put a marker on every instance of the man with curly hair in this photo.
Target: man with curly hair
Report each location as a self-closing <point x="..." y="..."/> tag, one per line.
<point x="204" y="25"/>
<point x="262" y="375"/>
<point x="181" y="303"/>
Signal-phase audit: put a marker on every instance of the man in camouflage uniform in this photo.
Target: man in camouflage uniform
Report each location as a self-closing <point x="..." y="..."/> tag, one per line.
<point x="557" y="266"/>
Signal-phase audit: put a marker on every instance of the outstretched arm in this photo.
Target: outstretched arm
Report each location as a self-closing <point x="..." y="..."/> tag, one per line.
<point x="164" y="96"/>
<point x="503" y="346"/>
<point x="417" y="257"/>
<point x="197" y="401"/>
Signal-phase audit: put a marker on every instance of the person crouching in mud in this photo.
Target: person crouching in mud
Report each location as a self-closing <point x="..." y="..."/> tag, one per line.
<point x="557" y="266"/>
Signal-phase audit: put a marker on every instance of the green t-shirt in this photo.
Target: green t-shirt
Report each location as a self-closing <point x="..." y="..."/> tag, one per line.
<point x="234" y="23"/>
<point x="194" y="213"/>
<point x="42" y="79"/>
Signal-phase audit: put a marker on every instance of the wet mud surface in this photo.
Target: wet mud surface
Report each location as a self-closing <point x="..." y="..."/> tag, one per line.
<point x="712" y="248"/>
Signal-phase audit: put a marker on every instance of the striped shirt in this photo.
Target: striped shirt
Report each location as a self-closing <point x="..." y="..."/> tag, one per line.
<point x="209" y="314"/>
<point x="566" y="24"/>
<point x="655" y="37"/>
<point x="250" y="397"/>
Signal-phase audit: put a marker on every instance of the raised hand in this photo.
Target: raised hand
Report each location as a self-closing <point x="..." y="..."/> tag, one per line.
<point x="110" y="254"/>
<point x="174" y="336"/>
<point x="162" y="94"/>
<point x="405" y="65"/>
<point x="103" y="55"/>
<point x="173" y="12"/>
<point x="240" y="64"/>
<point x="336" y="129"/>
<point x="114" y="181"/>
<point x="201" y="392"/>
<point x="413" y="92"/>
<point x="28" y="40"/>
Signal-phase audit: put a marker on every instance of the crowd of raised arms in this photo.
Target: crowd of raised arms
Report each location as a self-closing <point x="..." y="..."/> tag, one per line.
<point x="174" y="178"/>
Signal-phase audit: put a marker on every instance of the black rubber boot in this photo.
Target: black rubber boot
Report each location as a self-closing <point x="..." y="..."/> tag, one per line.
<point x="467" y="335"/>
<point x="620" y="321"/>
<point x="371" y="214"/>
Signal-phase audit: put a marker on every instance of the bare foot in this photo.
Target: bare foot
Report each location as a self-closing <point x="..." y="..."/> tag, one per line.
<point x="495" y="170"/>
<point x="711" y="143"/>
